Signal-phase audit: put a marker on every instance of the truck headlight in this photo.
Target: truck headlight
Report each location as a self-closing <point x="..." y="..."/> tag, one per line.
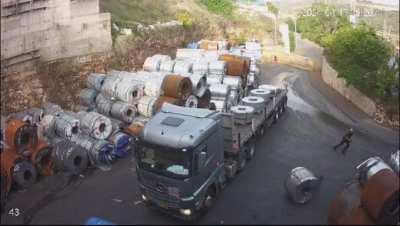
<point x="144" y="198"/>
<point x="186" y="212"/>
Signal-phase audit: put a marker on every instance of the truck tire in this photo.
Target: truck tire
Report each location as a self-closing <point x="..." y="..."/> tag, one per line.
<point x="251" y="150"/>
<point x="276" y="116"/>
<point x="242" y="161"/>
<point x="261" y="131"/>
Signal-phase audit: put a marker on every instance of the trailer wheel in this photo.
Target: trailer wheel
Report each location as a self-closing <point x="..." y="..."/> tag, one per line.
<point x="242" y="161"/>
<point x="261" y="131"/>
<point x="276" y="117"/>
<point x="251" y="151"/>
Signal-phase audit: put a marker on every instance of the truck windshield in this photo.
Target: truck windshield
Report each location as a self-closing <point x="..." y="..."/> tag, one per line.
<point x="166" y="161"/>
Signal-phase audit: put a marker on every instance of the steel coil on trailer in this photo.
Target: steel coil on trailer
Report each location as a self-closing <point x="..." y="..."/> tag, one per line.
<point x="19" y="135"/>
<point x="95" y="125"/>
<point x="271" y="88"/>
<point x="189" y="53"/>
<point x="177" y="86"/>
<point x="370" y="167"/>
<point x="257" y="103"/>
<point x="95" y="81"/>
<point x="219" y="91"/>
<point x="88" y="96"/>
<point x="301" y="184"/>
<point x="199" y="84"/>
<point x="380" y="197"/>
<point x="220" y="105"/>
<point x="69" y="157"/>
<point x="146" y="106"/>
<point x="183" y="66"/>
<point x="110" y="86"/>
<point x="217" y="67"/>
<point x="395" y="161"/>
<point x="103" y="105"/>
<point x="345" y="208"/>
<point x="167" y="99"/>
<point x="263" y="93"/>
<point x="123" y="144"/>
<point x="242" y="114"/>
<point x="167" y="66"/>
<point x="123" y="111"/>
<point x="52" y="109"/>
<point x="214" y="79"/>
<point x="100" y="152"/>
<point x="41" y="158"/>
<point x="191" y="102"/>
<point x="233" y="82"/>
<point x="66" y="126"/>
<point x="18" y="171"/>
<point x="204" y="101"/>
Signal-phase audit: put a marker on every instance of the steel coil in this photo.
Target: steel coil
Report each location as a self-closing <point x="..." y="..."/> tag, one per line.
<point x="370" y="167"/>
<point x="219" y="91"/>
<point x="95" y="124"/>
<point x="191" y="102"/>
<point x="110" y="86"/>
<point x="301" y="184"/>
<point x="217" y="67"/>
<point x="69" y="157"/>
<point x="214" y="79"/>
<point x="236" y="66"/>
<point x="263" y="93"/>
<point x="219" y="105"/>
<point x="166" y="99"/>
<point x="100" y="152"/>
<point x="233" y="82"/>
<point x="103" y="105"/>
<point x="123" y="144"/>
<point x="200" y="67"/>
<point x="154" y="86"/>
<point x="52" y="109"/>
<point x="183" y="66"/>
<point x="66" y="126"/>
<point x="204" y="101"/>
<point x="189" y="53"/>
<point x="19" y="135"/>
<point x="95" y="81"/>
<point x="380" y="197"/>
<point x="129" y="92"/>
<point x="88" y="96"/>
<point x="123" y="111"/>
<point x="41" y="157"/>
<point x="146" y="106"/>
<point x="395" y="161"/>
<point x="152" y="64"/>
<point x="177" y="86"/>
<point x="199" y="84"/>
<point x="242" y="114"/>
<point x="167" y="66"/>
<point x="257" y="103"/>
<point x="18" y="171"/>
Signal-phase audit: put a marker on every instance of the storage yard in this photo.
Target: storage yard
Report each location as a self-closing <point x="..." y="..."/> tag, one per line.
<point x="294" y="177"/>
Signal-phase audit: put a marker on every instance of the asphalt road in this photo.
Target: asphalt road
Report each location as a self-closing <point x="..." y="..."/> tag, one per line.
<point x="315" y="120"/>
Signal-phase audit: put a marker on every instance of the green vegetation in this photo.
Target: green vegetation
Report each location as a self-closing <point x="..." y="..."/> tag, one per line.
<point x="222" y="7"/>
<point x="186" y="19"/>
<point x="290" y="23"/>
<point x="292" y="41"/>
<point x="272" y="9"/>
<point x="361" y="58"/>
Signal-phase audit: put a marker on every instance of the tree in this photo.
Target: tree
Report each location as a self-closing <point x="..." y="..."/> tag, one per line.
<point x="272" y="9"/>
<point x="292" y="41"/>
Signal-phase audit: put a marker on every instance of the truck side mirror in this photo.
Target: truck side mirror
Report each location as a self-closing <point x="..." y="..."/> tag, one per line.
<point x="202" y="159"/>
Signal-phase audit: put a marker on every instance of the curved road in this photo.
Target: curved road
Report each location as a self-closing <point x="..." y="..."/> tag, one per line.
<point x="315" y="120"/>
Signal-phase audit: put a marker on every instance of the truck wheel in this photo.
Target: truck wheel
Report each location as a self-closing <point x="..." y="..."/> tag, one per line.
<point x="242" y="161"/>
<point x="276" y="117"/>
<point x="251" y="151"/>
<point x="261" y="131"/>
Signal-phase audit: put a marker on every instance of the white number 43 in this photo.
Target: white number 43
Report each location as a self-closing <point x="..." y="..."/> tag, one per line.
<point x="14" y="212"/>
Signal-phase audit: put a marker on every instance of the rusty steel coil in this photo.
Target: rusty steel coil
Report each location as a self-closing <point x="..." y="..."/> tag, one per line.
<point x="236" y="66"/>
<point x="380" y="197"/>
<point x="18" y="171"/>
<point x="204" y="101"/>
<point x="19" y="135"/>
<point x="134" y="130"/>
<point x="41" y="158"/>
<point x="166" y="99"/>
<point x="177" y="86"/>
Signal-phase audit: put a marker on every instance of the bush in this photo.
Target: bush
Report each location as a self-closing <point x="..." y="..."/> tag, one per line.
<point x="292" y="40"/>
<point x="222" y="7"/>
<point x="186" y="19"/>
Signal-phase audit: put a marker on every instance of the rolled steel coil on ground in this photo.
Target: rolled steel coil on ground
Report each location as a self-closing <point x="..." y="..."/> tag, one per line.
<point x="177" y="86"/>
<point x="167" y="66"/>
<point x="191" y="102"/>
<point x="183" y="66"/>
<point x="17" y="170"/>
<point x="95" y="125"/>
<point x="200" y="67"/>
<point x="154" y="87"/>
<point x="152" y="64"/>
<point x="19" y="135"/>
<point x="220" y="105"/>
<point x="100" y="152"/>
<point x="219" y="91"/>
<point x="69" y="157"/>
<point x="41" y="157"/>
<point x="301" y="184"/>
<point x="123" y="144"/>
<point x="123" y="111"/>
<point x="189" y="53"/>
<point x="380" y="197"/>
<point x="66" y="126"/>
<point x="345" y="208"/>
<point x="263" y="93"/>
<point x="31" y="116"/>
<point x="233" y="82"/>
<point x="88" y="96"/>
<point x="46" y="129"/>
<point x="217" y="67"/>
<point x="110" y="86"/>
<point x="395" y="161"/>
<point x="52" y="109"/>
<point x="146" y="106"/>
<point x="242" y="114"/>
<point x="166" y="99"/>
<point x="103" y="105"/>
<point x="95" y="81"/>
<point x="199" y="84"/>
<point x="204" y="101"/>
<point x="236" y="66"/>
<point x="129" y="92"/>
<point x="214" y="79"/>
<point x="257" y="103"/>
<point x="370" y="167"/>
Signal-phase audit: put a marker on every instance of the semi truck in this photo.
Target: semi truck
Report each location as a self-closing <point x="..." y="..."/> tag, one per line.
<point x="186" y="157"/>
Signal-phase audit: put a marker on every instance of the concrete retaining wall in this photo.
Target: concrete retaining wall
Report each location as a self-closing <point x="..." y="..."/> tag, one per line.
<point x="330" y="77"/>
